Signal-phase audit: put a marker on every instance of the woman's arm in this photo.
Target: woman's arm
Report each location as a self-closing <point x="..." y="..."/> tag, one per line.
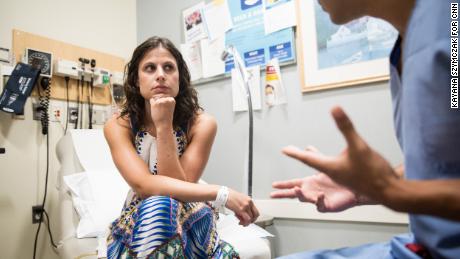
<point x="192" y="163"/>
<point x="201" y="137"/>
<point x="136" y="173"/>
<point x="162" y="110"/>
<point x="195" y="157"/>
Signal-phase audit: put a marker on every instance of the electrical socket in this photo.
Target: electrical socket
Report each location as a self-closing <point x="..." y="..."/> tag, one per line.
<point x="56" y="113"/>
<point x="73" y="114"/>
<point x="36" y="111"/>
<point x="99" y="117"/>
<point x="37" y="210"/>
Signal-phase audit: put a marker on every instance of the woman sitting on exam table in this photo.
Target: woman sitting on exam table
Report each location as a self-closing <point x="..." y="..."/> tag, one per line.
<point x="160" y="143"/>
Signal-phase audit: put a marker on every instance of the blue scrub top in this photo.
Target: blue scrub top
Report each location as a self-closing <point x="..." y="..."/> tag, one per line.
<point x="428" y="130"/>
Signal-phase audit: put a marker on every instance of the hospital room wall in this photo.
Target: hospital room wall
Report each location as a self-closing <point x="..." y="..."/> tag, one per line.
<point x="108" y="26"/>
<point x="305" y="120"/>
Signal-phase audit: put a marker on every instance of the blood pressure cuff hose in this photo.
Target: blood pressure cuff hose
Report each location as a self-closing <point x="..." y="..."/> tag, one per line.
<point x="18" y="88"/>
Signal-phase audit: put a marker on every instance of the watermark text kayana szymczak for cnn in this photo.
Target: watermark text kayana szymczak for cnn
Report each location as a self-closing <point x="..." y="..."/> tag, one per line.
<point x="454" y="55"/>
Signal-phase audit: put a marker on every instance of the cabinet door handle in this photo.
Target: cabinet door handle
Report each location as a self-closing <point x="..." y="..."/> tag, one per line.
<point x="2" y="150"/>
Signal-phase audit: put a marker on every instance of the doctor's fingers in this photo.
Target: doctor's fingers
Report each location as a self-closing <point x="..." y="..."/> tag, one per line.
<point x="287" y="193"/>
<point x="347" y="129"/>
<point x="311" y="197"/>
<point x="287" y="184"/>
<point x="321" y="204"/>
<point x="318" y="161"/>
<point x="312" y="148"/>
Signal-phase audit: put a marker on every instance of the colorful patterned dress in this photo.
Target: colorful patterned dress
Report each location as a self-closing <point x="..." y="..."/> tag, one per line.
<point x="162" y="227"/>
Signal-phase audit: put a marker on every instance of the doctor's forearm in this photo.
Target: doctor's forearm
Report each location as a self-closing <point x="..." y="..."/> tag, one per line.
<point x="432" y="197"/>
<point x="399" y="170"/>
<point x="364" y="200"/>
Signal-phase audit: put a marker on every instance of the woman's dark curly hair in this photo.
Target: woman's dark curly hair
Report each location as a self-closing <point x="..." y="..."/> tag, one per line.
<point x="186" y="100"/>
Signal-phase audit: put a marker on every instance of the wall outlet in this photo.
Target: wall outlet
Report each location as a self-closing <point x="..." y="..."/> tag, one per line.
<point x="56" y="113"/>
<point x="37" y="210"/>
<point x="73" y="114"/>
<point x="99" y="117"/>
<point x="36" y="111"/>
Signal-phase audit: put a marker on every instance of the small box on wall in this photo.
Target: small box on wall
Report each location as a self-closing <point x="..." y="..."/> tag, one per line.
<point x="5" y="72"/>
<point x="5" y="56"/>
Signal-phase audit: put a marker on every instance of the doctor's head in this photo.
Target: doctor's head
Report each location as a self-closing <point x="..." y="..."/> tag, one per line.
<point x="157" y="69"/>
<point x="343" y="11"/>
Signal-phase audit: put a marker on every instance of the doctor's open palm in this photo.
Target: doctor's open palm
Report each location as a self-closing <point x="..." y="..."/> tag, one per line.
<point x="358" y="167"/>
<point x="319" y="189"/>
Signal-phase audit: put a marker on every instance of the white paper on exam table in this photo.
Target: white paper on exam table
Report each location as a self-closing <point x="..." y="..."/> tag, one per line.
<point x="92" y="150"/>
<point x="230" y="223"/>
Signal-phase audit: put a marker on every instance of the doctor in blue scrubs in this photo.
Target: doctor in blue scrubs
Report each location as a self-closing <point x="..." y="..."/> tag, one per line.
<point x="427" y="185"/>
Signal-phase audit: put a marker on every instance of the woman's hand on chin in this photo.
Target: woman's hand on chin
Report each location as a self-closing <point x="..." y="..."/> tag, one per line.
<point x="162" y="110"/>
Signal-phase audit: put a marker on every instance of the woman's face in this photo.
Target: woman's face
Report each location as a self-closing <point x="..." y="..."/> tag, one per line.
<point x="158" y="74"/>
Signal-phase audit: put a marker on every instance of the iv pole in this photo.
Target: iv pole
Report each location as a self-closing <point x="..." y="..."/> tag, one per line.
<point x="245" y="76"/>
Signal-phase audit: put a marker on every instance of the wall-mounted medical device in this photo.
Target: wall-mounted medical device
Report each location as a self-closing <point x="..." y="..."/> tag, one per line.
<point x="72" y="69"/>
<point x="41" y="59"/>
<point x="66" y="68"/>
<point x="18" y="88"/>
<point x="102" y="77"/>
<point x="117" y="78"/>
<point x="118" y="93"/>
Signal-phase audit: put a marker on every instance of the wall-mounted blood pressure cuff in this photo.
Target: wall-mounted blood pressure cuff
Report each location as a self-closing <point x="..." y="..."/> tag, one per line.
<point x="18" y="88"/>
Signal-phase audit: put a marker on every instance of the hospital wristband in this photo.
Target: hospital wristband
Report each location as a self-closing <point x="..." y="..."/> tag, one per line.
<point x="221" y="198"/>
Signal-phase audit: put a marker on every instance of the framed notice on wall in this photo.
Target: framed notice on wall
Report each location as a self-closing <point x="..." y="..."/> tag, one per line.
<point x="249" y="38"/>
<point x="332" y="56"/>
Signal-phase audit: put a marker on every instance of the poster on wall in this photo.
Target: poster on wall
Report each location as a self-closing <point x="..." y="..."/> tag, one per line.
<point x="341" y="55"/>
<point x="278" y="15"/>
<point x="218" y="19"/>
<point x="192" y="56"/>
<point x="249" y="38"/>
<point x="192" y="21"/>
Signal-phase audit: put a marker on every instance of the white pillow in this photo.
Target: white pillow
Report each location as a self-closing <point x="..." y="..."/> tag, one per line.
<point x="98" y="197"/>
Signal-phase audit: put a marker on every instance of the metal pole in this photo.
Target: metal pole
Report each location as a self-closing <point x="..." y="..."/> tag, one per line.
<point x="240" y="69"/>
<point x="251" y="123"/>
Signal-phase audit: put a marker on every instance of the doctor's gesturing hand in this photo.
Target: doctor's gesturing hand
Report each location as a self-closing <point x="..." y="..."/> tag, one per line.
<point x="319" y="189"/>
<point x="366" y="174"/>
